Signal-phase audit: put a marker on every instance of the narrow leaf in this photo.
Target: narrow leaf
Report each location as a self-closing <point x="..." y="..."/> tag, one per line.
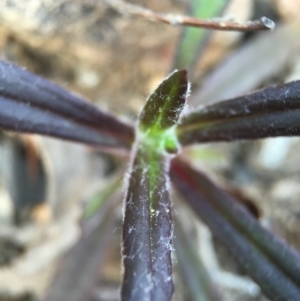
<point x="165" y="104"/>
<point x="194" y="274"/>
<point x="287" y="258"/>
<point x="241" y="234"/>
<point x="270" y="112"/>
<point x="29" y="103"/>
<point x="147" y="230"/>
<point x="247" y="67"/>
<point x="79" y="270"/>
<point x="19" y="117"/>
<point x="94" y="204"/>
<point x="194" y="40"/>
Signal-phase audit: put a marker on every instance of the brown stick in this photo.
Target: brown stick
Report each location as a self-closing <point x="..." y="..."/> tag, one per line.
<point x="216" y="24"/>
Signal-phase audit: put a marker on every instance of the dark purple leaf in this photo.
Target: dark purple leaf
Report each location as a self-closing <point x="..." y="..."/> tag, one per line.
<point x="247" y="67"/>
<point x="29" y="103"/>
<point x="241" y="234"/>
<point x="79" y="269"/>
<point x="283" y="255"/>
<point x="165" y="104"/>
<point x="194" y="274"/>
<point x="269" y="112"/>
<point x="147" y="230"/>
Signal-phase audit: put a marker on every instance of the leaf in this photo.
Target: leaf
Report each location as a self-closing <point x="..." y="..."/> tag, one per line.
<point x="29" y="103"/>
<point x="270" y="112"/>
<point x="284" y="256"/>
<point x="147" y="229"/>
<point x="274" y="270"/>
<point x="79" y="269"/>
<point x="194" y="274"/>
<point x="194" y="40"/>
<point x="97" y="201"/>
<point x="246" y="68"/>
<point x="165" y="104"/>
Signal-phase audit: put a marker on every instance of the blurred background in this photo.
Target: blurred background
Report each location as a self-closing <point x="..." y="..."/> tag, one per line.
<point x="115" y="60"/>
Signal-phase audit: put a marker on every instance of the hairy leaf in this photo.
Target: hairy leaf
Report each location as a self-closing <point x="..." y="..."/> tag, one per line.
<point x="29" y="103"/>
<point x="270" y="112"/>
<point x="147" y="229"/>
<point x="274" y="277"/>
<point x="165" y="104"/>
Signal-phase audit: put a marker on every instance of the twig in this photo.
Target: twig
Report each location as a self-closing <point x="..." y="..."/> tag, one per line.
<point x="216" y="24"/>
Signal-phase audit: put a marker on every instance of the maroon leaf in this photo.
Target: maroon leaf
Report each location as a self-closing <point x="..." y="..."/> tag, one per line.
<point x="241" y="234"/>
<point x="147" y="230"/>
<point x="29" y="103"/>
<point x="269" y="112"/>
<point x="79" y="269"/>
<point x="249" y="66"/>
<point x="194" y="274"/>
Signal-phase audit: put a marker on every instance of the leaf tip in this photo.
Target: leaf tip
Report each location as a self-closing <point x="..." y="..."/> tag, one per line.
<point x="180" y="74"/>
